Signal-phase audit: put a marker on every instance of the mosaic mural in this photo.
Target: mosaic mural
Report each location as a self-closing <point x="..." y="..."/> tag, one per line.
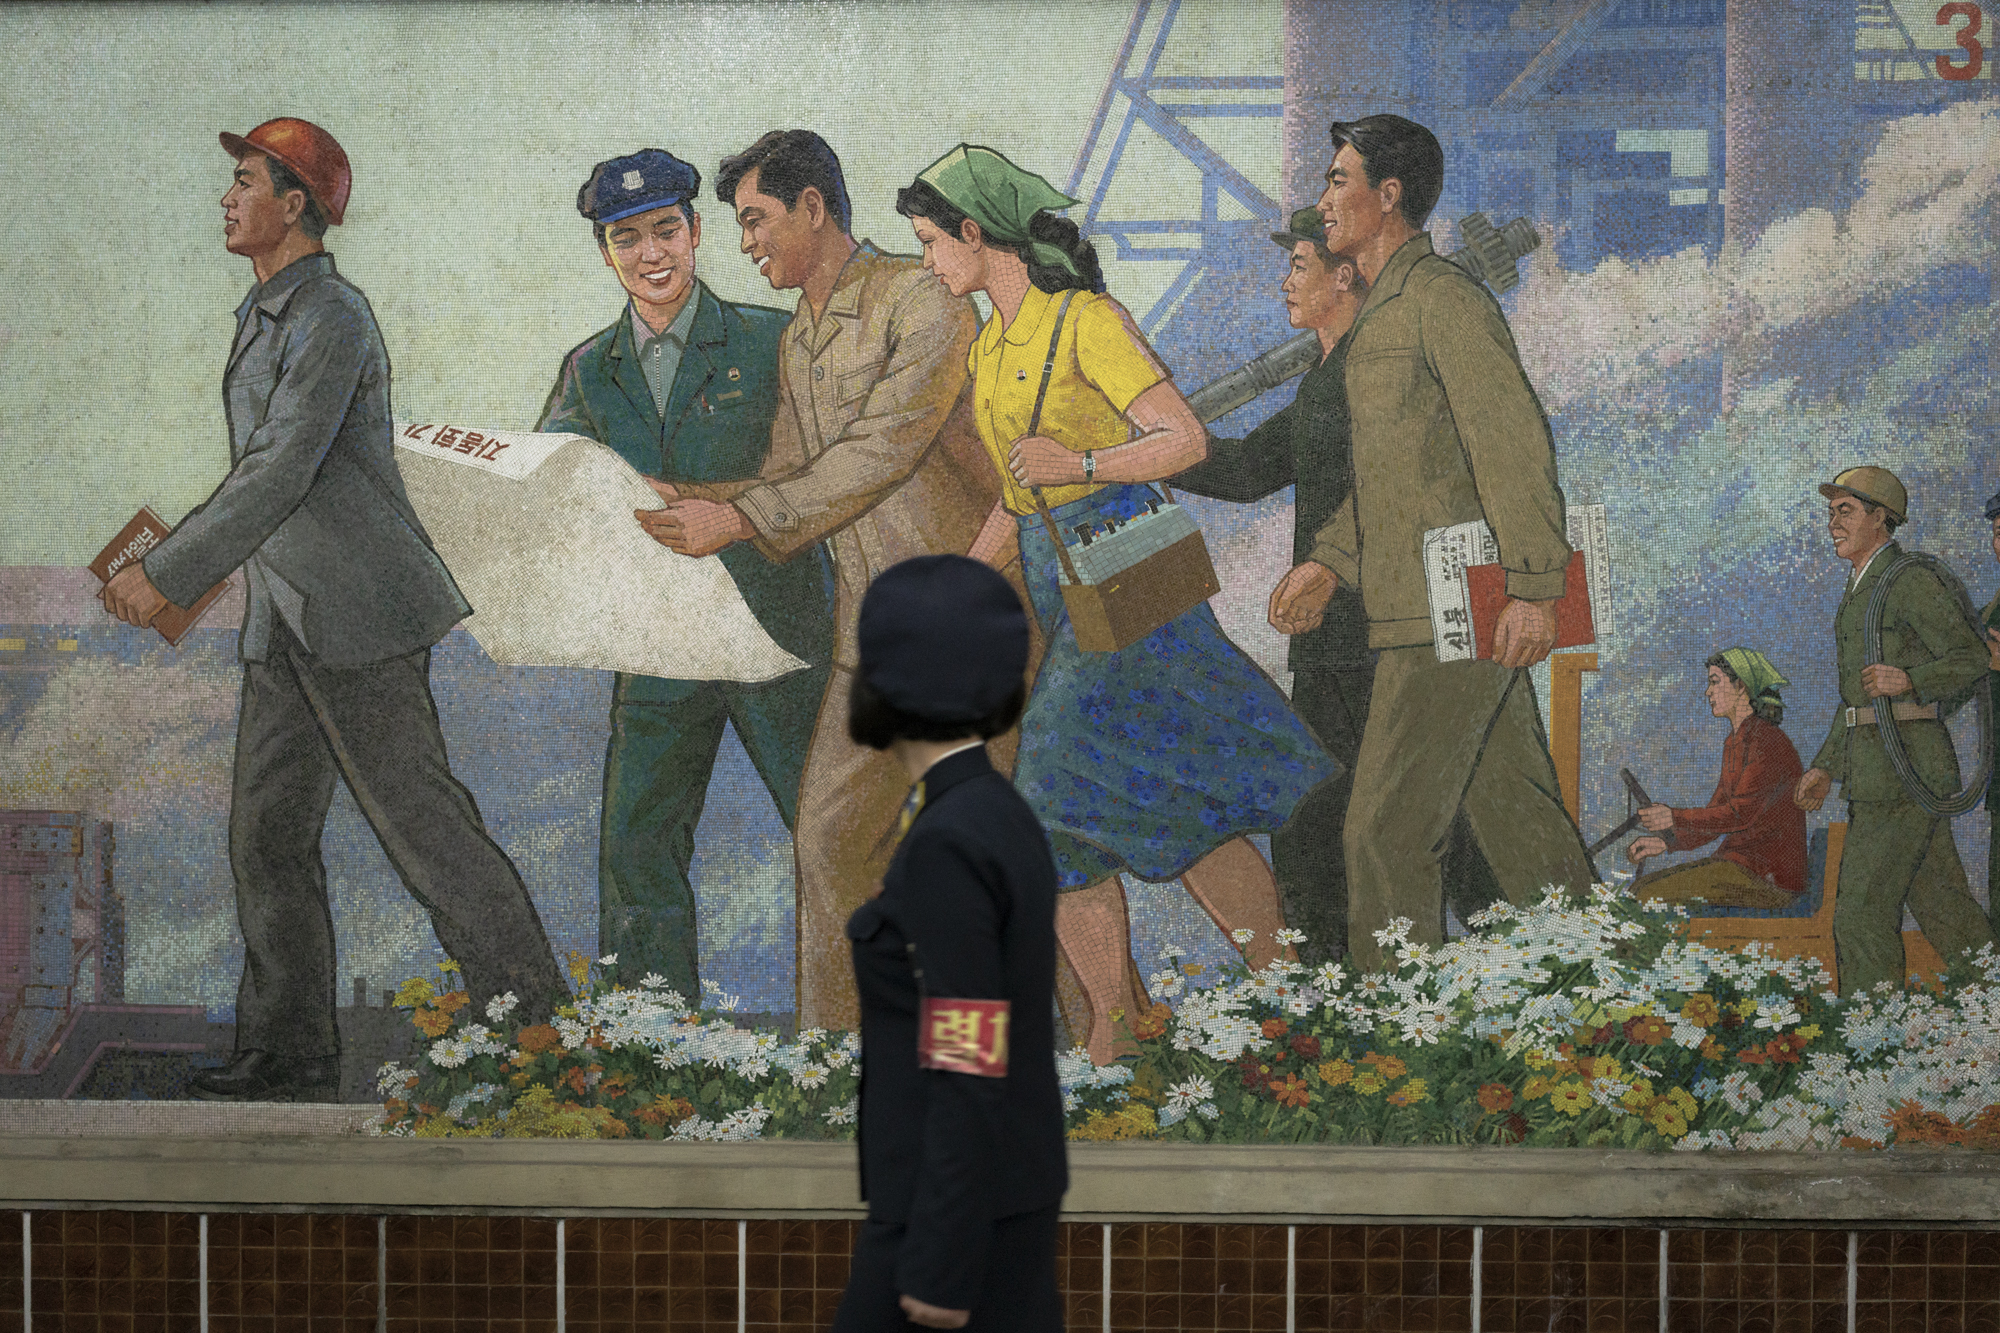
<point x="1756" y="250"/>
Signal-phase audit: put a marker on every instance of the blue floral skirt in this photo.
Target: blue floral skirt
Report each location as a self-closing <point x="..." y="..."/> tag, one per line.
<point x="1147" y="759"/>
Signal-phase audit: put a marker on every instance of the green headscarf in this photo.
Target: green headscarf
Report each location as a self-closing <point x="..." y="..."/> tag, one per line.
<point x="1754" y="670"/>
<point x="1001" y="198"/>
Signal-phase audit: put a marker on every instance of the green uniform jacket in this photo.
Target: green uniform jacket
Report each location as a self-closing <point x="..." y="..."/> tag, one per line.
<point x="1990" y="618"/>
<point x="717" y="428"/>
<point x="1446" y="430"/>
<point x="1924" y="632"/>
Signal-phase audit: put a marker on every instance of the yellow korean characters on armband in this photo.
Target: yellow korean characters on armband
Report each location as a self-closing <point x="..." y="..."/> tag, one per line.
<point x="963" y="1036"/>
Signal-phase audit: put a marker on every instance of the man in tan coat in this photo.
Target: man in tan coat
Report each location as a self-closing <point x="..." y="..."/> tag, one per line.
<point x="1446" y="429"/>
<point x="872" y="452"/>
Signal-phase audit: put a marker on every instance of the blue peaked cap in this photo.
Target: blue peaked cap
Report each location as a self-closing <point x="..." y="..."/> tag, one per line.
<point x="648" y="179"/>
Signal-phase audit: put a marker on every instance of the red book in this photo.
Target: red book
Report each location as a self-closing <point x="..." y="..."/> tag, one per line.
<point x="142" y="534"/>
<point x="1486" y="585"/>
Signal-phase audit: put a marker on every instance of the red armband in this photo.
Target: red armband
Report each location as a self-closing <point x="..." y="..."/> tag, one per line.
<point x="963" y="1036"/>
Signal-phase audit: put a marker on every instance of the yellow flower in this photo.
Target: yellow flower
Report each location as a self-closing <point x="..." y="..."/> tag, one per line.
<point x="1809" y="1031"/>
<point x="1334" y="1073"/>
<point x="1538" y="1086"/>
<point x="413" y="992"/>
<point x="1683" y="1101"/>
<point x="579" y="967"/>
<point x="1368" y="1083"/>
<point x="1416" y="1090"/>
<point x="1194" y="969"/>
<point x="1701" y="1010"/>
<point x="1536" y="1060"/>
<point x="1571" y="1098"/>
<point x="1639" y="1096"/>
<point x="1667" y="1118"/>
<point x="1132" y="1122"/>
<point x="448" y="966"/>
<point x="1746" y="1007"/>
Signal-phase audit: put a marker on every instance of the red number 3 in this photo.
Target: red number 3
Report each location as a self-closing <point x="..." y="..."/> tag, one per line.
<point x="1968" y="39"/>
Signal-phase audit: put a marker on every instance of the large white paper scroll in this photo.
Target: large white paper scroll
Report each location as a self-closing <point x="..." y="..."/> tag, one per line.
<point x="538" y="531"/>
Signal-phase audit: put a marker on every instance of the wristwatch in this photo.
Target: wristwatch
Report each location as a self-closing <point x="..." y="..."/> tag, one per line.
<point x="1089" y="466"/>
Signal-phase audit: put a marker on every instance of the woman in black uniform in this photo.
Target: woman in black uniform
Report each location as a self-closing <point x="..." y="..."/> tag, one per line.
<point x="961" y="1132"/>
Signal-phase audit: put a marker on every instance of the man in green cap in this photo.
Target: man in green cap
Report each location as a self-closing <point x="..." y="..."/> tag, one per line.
<point x="1305" y="444"/>
<point x="1897" y="852"/>
<point x="1989" y="620"/>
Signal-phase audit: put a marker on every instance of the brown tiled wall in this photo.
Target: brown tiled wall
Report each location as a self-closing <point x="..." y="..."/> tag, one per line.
<point x="139" y="1271"/>
<point x="272" y="1271"/>
<point x="119" y="1272"/>
<point x="459" y="1274"/>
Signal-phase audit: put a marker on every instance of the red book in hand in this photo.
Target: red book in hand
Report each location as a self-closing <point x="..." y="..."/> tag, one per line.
<point x="141" y="535"/>
<point x="1487" y="587"/>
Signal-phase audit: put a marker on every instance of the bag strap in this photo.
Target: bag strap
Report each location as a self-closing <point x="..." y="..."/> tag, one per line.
<point x="1034" y="424"/>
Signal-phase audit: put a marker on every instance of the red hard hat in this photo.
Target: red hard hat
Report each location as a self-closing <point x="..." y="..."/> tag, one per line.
<point x="314" y="156"/>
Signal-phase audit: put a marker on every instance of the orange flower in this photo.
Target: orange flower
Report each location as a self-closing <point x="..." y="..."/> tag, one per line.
<point x="1647" y="1030"/>
<point x="1851" y="1141"/>
<point x="1495" y="1098"/>
<point x="1416" y="1090"/>
<point x="1336" y="1072"/>
<point x="431" y="1022"/>
<point x="1152" y="1023"/>
<point x="1292" y="1091"/>
<point x="1711" y="1049"/>
<point x="452" y="1001"/>
<point x="1388" y="1066"/>
<point x="1275" y="1028"/>
<point x="540" y="1038"/>
<point x="579" y="1082"/>
<point x="1701" y="1010"/>
<point x="1752" y="1055"/>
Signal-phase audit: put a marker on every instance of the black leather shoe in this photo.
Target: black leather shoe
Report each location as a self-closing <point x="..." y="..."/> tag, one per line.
<point x="259" y="1076"/>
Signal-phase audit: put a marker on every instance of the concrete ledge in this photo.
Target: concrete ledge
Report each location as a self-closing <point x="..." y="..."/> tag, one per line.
<point x="204" y="1157"/>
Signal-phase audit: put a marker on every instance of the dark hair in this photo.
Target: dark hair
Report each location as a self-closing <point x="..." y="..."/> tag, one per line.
<point x="920" y="199"/>
<point x="787" y="163"/>
<point x="1392" y="148"/>
<point x="1766" y="705"/>
<point x="1889" y="521"/>
<point x="686" y="206"/>
<point x="312" y="219"/>
<point x="876" y="723"/>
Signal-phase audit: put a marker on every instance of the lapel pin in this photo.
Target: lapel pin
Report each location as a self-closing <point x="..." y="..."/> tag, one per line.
<point x="1020" y="374"/>
<point x="735" y="374"/>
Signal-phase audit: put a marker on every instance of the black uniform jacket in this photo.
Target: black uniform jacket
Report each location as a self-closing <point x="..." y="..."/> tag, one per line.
<point x="967" y="911"/>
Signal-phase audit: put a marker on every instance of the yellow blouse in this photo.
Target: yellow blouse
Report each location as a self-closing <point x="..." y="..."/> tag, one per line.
<point x="1102" y="364"/>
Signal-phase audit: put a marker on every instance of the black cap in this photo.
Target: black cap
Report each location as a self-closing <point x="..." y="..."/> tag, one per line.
<point x="943" y="637"/>
<point x="648" y="179"/>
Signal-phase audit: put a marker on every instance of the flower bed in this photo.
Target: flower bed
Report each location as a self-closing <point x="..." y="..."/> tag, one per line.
<point x="1555" y="1025"/>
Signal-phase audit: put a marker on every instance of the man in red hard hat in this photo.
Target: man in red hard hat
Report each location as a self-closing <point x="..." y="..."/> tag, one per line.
<point x="345" y="599"/>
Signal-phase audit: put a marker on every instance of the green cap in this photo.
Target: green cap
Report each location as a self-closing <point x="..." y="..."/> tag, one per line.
<point x="1306" y="225"/>
<point x="1000" y="197"/>
<point x="1754" y="669"/>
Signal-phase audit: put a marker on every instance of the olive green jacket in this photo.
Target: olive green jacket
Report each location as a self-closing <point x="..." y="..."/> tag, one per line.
<point x="1924" y="632"/>
<point x="1446" y="430"/>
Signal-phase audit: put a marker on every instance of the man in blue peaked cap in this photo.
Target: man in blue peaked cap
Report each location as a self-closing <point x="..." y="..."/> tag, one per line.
<point x="684" y="385"/>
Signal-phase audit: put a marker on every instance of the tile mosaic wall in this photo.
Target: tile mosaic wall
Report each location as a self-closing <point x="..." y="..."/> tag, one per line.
<point x="140" y="1271"/>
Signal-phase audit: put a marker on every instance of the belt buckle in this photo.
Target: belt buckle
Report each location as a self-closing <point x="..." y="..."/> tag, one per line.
<point x="1850" y="717"/>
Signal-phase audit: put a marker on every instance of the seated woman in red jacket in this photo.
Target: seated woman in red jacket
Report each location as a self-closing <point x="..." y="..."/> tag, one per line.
<point x="1762" y="861"/>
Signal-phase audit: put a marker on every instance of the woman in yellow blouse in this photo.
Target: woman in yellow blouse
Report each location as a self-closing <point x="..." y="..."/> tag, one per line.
<point x="1156" y="759"/>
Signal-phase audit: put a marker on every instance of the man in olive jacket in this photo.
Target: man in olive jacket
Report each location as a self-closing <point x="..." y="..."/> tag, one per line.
<point x="1305" y="445"/>
<point x="1897" y="852"/>
<point x="683" y="386"/>
<point x="1446" y="429"/>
